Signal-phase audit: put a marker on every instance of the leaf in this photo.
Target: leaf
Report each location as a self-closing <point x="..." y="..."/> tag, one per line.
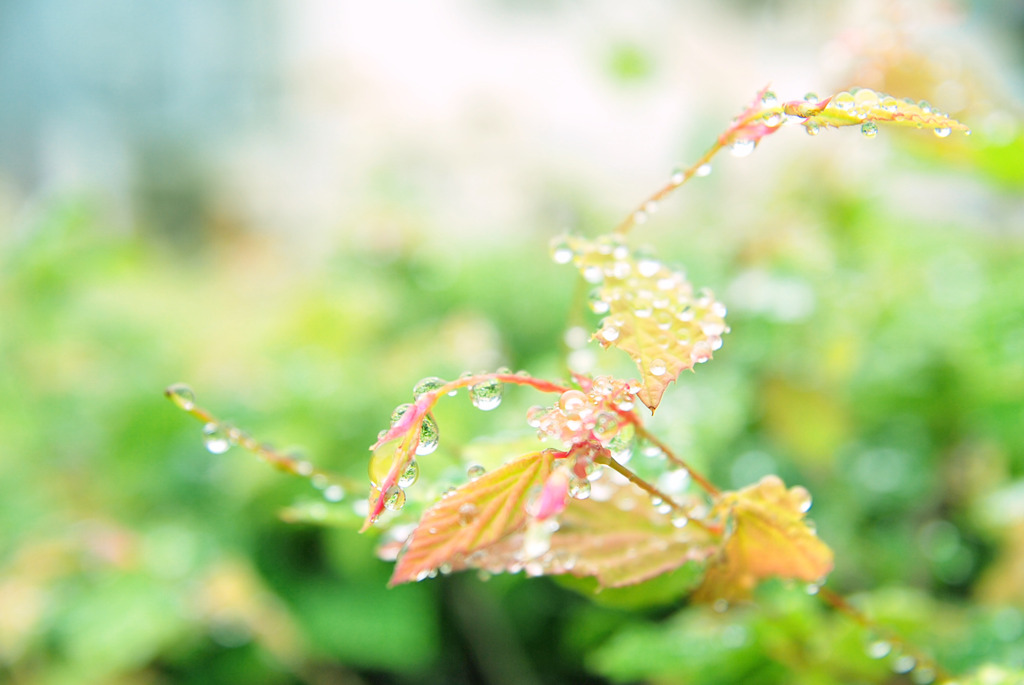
<point x="652" y="312"/>
<point x="473" y="517"/>
<point x="861" y="106"/>
<point x="621" y="547"/>
<point x="768" y="537"/>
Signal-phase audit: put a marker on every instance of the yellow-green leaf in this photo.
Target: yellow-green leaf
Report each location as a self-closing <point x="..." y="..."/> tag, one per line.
<point x="652" y="312"/>
<point x="768" y="537"/>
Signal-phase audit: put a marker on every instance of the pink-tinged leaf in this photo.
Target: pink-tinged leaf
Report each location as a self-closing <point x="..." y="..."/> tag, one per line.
<point x="473" y="517"/>
<point x="865" y="107"/>
<point x="769" y="538"/>
<point x="652" y="312"/>
<point x="759" y="119"/>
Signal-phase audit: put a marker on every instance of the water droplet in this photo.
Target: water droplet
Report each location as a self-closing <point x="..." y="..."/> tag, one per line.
<point x="943" y="131"/>
<point x="561" y="252"/>
<point x="801" y="498"/>
<point x="621" y="448"/>
<point x="843" y="101"/>
<point x="769" y="99"/>
<point x="182" y="395"/>
<point x="889" y="104"/>
<point x="475" y="471"/>
<point x="572" y="401"/>
<point x="703" y="170"/>
<point x="428" y="384"/>
<point x="869" y="129"/>
<point x="597" y="304"/>
<point x="878" y="649"/>
<point x="811" y="98"/>
<point x="579" y="488"/>
<point x="593" y="274"/>
<point x="430" y="436"/>
<point x="812" y="127"/>
<point x="678" y="177"/>
<point x="648" y="267"/>
<point x="720" y="605"/>
<point x="639" y="217"/>
<point x="772" y="119"/>
<point x="675" y="481"/>
<point x="334" y="493"/>
<point x="657" y="367"/>
<point x="394" y="498"/>
<point x="399" y="412"/>
<point x="651" y="207"/>
<point x="610" y="333"/>
<point x="812" y="588"/>
<point x="215" y="438"/>
<point x="925" y="106"/>
<point x="486" y="395"/>
<point x="304" y="468"/>
<point x="467" y="513"/>
<point x="903" y="664"/>
<point x="537" y="539"/>
<point x="742" y="147"/>
<point x="410" y="475"/>
<point x="680" y="520"/>
<point x="380" y="462"/>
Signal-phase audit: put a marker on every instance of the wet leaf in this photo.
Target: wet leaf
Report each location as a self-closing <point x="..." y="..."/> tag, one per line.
<point x="865" y="107"/>
<point x="768" y="538"/>
<point x="652" y="312"/>
<point x="473" y="517"/>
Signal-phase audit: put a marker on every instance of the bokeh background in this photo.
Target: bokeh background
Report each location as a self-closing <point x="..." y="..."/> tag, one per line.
<point x="301" y="208"/>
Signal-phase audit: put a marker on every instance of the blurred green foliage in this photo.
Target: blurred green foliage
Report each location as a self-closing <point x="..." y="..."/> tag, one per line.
<point x="876" y="357"/>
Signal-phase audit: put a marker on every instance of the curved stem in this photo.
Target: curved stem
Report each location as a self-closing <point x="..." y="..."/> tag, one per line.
<point x="697" y="477"/>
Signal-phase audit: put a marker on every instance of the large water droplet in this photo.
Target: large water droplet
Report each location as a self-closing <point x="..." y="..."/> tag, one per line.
<point x="182" y="395"/>
<point x="703" y="170"/>
<point x="486" y="395"/>
<point x="475" y="471"/>
<point x="428" y="384"/>
<point x="429" y="436"/>
<point x="742" y="147"/>
<point x="869" y="129"/>
<point x="648" y="267"/>
<point x="889" y="104"/>
<point x="399" y="412"/>
<point x="943" y="131"/>
<point x="380" y="462"/>
<point x="215" y="438"/>
<point x="394" y="498"/>
<point x="812" y="127"/>
<point x="579" y="488"/>
<point x="597" y="303"/>
<point x="610" y="333"/>
<point x="410" y="475"/>
<point x="678" y="177"/>
<point x="811" y="98"/>
<point x="843" y="101"/>
<point x="658" y="367"/>
<point x="572" y="401"/>
<point x="561" y="252"/>
<point x="769" y="99"/>
<point x="903" y="664"/>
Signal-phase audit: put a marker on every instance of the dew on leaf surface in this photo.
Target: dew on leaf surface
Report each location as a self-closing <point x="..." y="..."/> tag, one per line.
<point x="579" y="488"/>
<point x="399" y="412"/>
<point x="425" y="385"/>
<point x="430" y="436"/>
<point x="869" y="129"/>
<point x="812" y="128"/>
<point x="467" y="513"/>
<point x="678" y="177"/>
<point x="475" y="471"/>
<point x="561" y="252"/>
<point x="410" y="475"/>
<point x="182" y="396"/>
<point x="943" y="131"/>
<point x="742" y="147"/>
<point x="658" y="367"/>
<point x="486" y="395"/>
<point x="703" y="170"/>
<point x="215" y="438"/>
<point x="903" y="664"/>
<point x="610" y="333"/>
<point x="879" y="649"/>
<point x="843" y="101"/>
<point x="769" y="99"/>
<point x="394" y="498"/>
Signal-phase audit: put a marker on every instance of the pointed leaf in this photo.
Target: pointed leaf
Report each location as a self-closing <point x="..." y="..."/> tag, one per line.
<point x="473" y="517"/>
<point x="653" y="313"/>
<point x="862" y="106"/>
<point x="769" y="537"/>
